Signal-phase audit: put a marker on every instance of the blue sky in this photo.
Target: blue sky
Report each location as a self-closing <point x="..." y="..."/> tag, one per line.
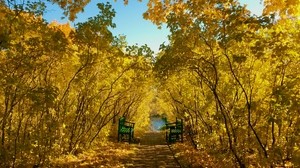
<point x="130" y="22"/>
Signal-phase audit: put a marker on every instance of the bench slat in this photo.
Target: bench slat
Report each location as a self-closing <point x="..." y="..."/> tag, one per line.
<point x="125" y="129"/>
<point x="174" y="131"/>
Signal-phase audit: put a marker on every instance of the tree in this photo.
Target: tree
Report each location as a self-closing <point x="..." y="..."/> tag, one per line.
<point x="61" y="87"/>
<point x="227" y="52"/>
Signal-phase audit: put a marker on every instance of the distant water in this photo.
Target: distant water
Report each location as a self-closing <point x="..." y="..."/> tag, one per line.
<point x="157" y="123"/>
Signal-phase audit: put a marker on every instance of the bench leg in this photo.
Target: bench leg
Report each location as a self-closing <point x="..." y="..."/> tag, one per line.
<point x="167" y="138"/>
<point x="129" y="135"/>
<point x="182" y="138"/>
<point x="132" y="134"/>
<point x="120" y="137"/>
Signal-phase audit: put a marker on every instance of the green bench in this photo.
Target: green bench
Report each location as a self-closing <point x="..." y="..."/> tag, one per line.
<point x="125" y="130"/>
<point x="174" y="131"/>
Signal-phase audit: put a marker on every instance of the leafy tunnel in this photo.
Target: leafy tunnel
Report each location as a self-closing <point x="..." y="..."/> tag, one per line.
<point x="233" y="77"/>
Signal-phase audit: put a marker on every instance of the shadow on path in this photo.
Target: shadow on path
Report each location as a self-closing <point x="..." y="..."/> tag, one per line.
<point x="153" y="138"/>
<point x="152" y="152"/>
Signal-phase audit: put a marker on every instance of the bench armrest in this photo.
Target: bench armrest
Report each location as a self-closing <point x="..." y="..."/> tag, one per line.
<point x="129" y="124"/>
<point x="170" y="125"/>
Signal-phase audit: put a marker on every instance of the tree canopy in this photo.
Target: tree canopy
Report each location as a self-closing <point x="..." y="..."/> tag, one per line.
<point x="231" y="75"/>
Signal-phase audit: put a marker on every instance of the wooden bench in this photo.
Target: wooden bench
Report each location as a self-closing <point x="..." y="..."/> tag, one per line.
<point x="125" y="130"/>
<point x="174" y="131"/>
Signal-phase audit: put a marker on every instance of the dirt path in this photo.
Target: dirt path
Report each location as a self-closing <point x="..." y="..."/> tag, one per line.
<point x="152" y="152"/>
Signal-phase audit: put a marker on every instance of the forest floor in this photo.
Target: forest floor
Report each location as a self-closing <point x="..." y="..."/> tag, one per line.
<point x="150" y="152"/>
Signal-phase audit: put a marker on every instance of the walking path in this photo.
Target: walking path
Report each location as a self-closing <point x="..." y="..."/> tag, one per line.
<point x="152" y="152"/>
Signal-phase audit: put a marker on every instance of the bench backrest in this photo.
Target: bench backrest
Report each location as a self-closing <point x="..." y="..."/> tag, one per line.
<point x="122" y="121"/>
<point x="179" y="124"/>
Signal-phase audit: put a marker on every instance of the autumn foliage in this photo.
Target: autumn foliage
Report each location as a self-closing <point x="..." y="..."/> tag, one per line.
<point x="232" y="76"/>
<point x="63" y="88"/>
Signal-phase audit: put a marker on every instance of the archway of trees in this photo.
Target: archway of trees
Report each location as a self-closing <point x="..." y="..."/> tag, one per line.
<point x="232" y="76"/>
